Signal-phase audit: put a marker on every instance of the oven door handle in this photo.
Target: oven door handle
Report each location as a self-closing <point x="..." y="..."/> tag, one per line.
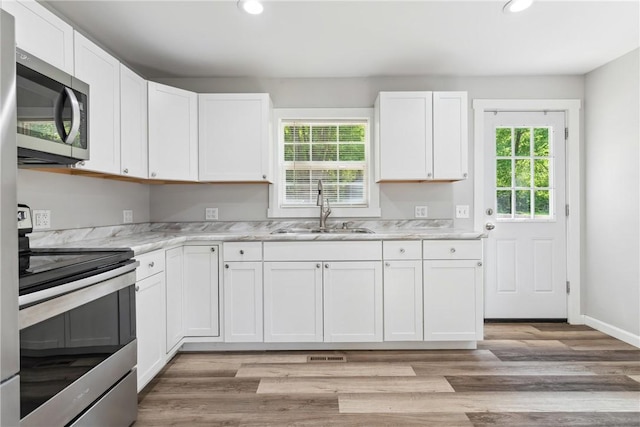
<point x="56" y="291"/>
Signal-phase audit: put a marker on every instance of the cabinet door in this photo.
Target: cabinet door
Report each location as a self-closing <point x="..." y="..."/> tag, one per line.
<point x="174" y="272"/>
<point x="293" y="302"/>
<point x="403" y="300"/>
<point x="352" y="301"/>
<point x="133" y="124"/>
<point x="404" y="142"/>
<point x="234" y="137"/>
<point x="41" y="33"/>
<point x="173" y="133"/>
<point x="450" y="136"/>
<point x="243" y="302"/>
<point x="101" y="71"/>
<point x="201" y="291"/>
<point x="150" y="327"/>
<point x="452" y="300"/>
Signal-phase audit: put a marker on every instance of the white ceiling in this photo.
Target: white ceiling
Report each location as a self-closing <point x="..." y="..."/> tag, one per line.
<point x="325" y="38"/>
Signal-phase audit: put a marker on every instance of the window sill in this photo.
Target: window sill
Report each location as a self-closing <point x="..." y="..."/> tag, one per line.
<point x="314" y="212"/>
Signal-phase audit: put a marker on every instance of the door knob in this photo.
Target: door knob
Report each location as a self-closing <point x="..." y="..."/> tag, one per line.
<point x="489" y="226"/>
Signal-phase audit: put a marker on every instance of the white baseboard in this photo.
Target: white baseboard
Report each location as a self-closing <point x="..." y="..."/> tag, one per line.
<point x="614" y="331"/>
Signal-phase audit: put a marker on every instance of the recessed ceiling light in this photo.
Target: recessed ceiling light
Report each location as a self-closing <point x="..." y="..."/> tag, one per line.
<point x="514" y="6"/>
<point x="252" y="7"/>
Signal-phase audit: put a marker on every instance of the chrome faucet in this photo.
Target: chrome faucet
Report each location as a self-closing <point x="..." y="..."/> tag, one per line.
<point x="325" y="208"/>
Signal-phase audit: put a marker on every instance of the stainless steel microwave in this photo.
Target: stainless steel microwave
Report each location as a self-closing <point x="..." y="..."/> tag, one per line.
<point x="53" y="114"/>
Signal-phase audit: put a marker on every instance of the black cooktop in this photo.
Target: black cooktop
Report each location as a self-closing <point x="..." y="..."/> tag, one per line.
<point x="46" y="268"/>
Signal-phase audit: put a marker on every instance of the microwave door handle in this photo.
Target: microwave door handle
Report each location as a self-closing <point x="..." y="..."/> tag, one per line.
<point x="75" y="110"/>
<point x="57" y="115"/>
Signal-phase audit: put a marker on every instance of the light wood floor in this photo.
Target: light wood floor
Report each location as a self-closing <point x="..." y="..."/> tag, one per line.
<point x="534" y="374"/>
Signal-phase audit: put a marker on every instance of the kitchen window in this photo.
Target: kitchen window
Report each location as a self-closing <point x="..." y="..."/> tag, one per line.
<point x="332" y="145"/>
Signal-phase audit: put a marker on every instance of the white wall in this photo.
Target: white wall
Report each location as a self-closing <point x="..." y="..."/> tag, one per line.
<point x="612" y="194"/>
<point x="187" y="203"/>
<point x="78" y="201"/>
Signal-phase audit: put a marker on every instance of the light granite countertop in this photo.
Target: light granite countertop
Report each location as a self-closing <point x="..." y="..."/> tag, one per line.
<point x="144" y="238"/>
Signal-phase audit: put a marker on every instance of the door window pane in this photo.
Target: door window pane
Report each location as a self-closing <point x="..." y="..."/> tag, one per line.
<point x="504" y="203"/>
<point x="541" y="202"/>
<point x="503" y="141"/>
<point x="541" y="173"/>
<point x="503" y="173"/>
<point x="522" y="140"/>
<point x="523" y="173"/>
<point x="541" y="142"/>
<point x="523" y="203"/>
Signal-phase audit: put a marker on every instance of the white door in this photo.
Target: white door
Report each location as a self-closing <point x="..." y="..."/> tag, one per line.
<point x="525" y="201"/>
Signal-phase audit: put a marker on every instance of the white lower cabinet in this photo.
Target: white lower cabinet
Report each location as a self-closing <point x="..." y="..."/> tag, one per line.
<point x="201" y="302"/>
<point x="293" y="302"/>
<point x="352" y="301"/>
<point x="403" y="300"/>
<point x="150" y="327"/>
<point x="243" y="301"/>
<point x="174" y="265"/>
<point x="452" y="300"/>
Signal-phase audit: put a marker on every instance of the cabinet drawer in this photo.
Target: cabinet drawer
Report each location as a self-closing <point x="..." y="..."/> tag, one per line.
<point x="150" y="264"/>
<point x="243" y="251"/>
<point x="402" y="249"/>
<point x="452" y="249"/>
<point x="323" y="251"/>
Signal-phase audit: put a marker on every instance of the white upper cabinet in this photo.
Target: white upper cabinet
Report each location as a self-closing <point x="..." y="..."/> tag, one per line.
<point x="404" y="136"/>
<point x="234" y="137"/>
<point x="173" y="133"/>
<point x="101" y="72"/>
<point x="421" y="136"/>
<point x="41" y="33"/>
<point x="133" y="124"/>
<point x="450" y="136"/>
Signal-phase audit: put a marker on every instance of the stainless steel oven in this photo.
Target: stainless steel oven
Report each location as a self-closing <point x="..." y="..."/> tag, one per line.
<point x="53" y="116"/>
<point x="78" y="338"/>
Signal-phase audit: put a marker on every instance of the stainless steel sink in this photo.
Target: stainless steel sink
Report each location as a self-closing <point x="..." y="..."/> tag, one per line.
<point x="322" y="231"/>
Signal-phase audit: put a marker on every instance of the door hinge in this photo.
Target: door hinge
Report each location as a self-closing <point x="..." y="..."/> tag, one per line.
<point x="566" y="133"/>
<point x="566" y="210"/>
<point x="568" y="287"/>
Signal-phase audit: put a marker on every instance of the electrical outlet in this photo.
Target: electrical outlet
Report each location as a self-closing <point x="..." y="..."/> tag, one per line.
<point x="41" y="219"/>
<point x="421" y="212"/>
<point x="127" y="216"/>
<point x="211" y="214"/>
<point x="462" y="211"/>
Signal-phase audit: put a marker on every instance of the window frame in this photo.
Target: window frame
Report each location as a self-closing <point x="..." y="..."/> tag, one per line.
<point x="276" y="189"/>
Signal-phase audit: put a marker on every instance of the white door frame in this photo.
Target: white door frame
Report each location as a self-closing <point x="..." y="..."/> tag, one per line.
<point x="571" y="107"/>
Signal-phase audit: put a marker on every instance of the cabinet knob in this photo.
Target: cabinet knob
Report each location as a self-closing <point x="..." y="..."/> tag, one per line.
<point x="326" y="266"/>
<point x="264" y="176"/>
<point x="125" y="170"/>
<point x="464" y="175"/>
<point x="153" y="174"/>
<point x="386" y="264"/>
<point x="479" y="264"/>
<point x="81" y="163"/>
<point x="429" y="175"/>
<point x="317" y="265"/>
<point x="213" y="249"/>
<point x="241" y="251"/>
<point x="137" y="288"/>
<point x="152" y="264"/>
<point x="452" y="250"/>
<point x="402" y="250"/>
<point x="226" y="266"/>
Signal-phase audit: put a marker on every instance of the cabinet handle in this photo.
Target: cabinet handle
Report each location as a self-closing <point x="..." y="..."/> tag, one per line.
<point x="226" y="266"/>
<point x="213" y="249"/>
<point x="241" y="251"/>
<point x="152" y="264"/>
<point x="452" y="250"/>
<point x="386" y="264"/>
<point x="317" y="265"/>
<point x="137" y="288"/>
<point x="153" y="174"/>
<point x="326" y="266"/>
<point x="125" y="170"/>
<point x="264" y="176"/>
<point x="402" y="250"/>
<point x="479" y="264"/>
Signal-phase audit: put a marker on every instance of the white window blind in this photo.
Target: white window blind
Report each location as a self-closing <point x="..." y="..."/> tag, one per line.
<point x="335" y="151"/>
